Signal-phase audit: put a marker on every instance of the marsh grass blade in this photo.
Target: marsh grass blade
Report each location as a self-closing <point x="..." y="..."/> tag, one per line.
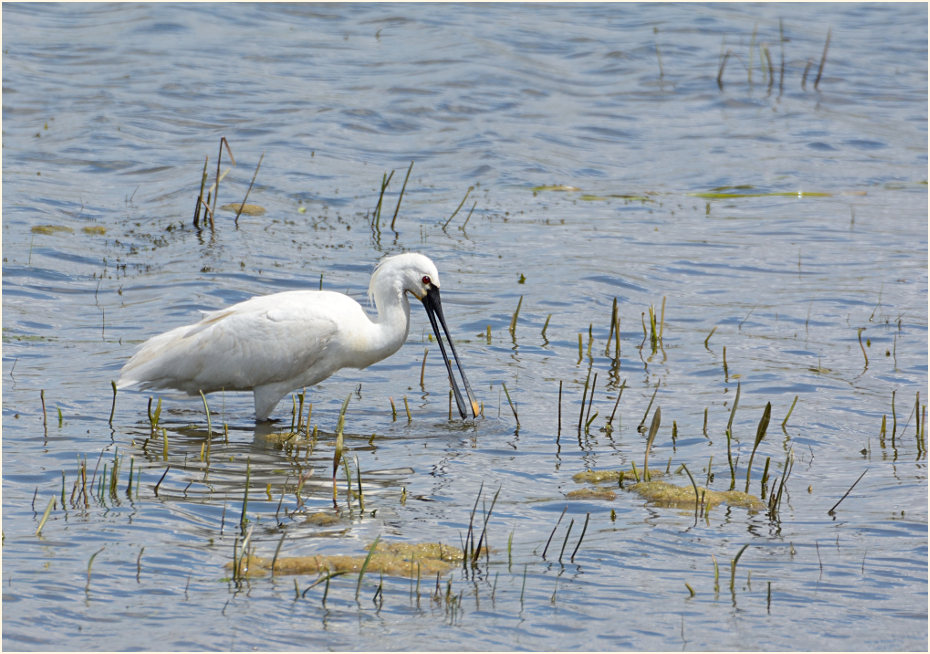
<point x="653" y="430"/>
<point x="760" y="434"/>
<point x="361" y="573"/>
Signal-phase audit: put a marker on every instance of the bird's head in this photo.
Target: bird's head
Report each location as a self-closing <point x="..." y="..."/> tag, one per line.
<point x="415" y="274"/>
<point x="405" y="273"/>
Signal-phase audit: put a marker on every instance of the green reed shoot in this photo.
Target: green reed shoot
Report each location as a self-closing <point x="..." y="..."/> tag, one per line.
<point x="114" y="476"/>
<point x="653" y="430"/>
<point x="470" y="189"/>
<point x="139" y="563"/>
<point x="200" y="202"/>
<point x="90" y="562"/>
<point x="588" y="419"/>
<point x="510" y="550"/>
<point x="653" y="330"/>
<point x="361" y="573"/>
<point x="662" y="322"/>
<point x="153" y="417"/>
<point x="513" y="319"/>
<point x="697" y="500"/>
<point x="112" y="406"/>
<point x="48" y="509"/>
<point x="468" y="545"/>
<point x="484" y="530"/>
<point x="706" y="340"/>
<point x="219" y="178"/>
<point x="277" y="550"/>
<point x="407" y="409"/>
<point x="861" y="346"/>
<point x="44" y="416"/>
<point x="775" y="496"/>
<point x="361" y="494"/>
<point x="300" y="412"/>
<point x="788" y="415"/>
<point x="733" y="408"/>
<point x="512" y="405"/>
<point x="426" y="351"/>
<point x="730" y="438"/>
<point x="245" y="494"/>
<point x="733" y="567"/>
<point x="385" y="180"/>
<point x="642" y="423"/>
<point x="393" y="409"/>
<point x="132" y="461"/>
<point x="617" y="403"/>
<point x="730" y="460"/>
<point x="345" y="469"/>
<point x="545" y="326"/>
<point x="470" y="212"/>
<point x="614" y="334"/>
<point x="765" y="477"/>
<point x="760" y="434"/>
<point x="337" y="454"/>
<point x="584" y="395"/>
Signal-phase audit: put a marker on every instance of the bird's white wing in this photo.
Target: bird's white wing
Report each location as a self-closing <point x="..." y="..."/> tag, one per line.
<point x="264" y="340"/>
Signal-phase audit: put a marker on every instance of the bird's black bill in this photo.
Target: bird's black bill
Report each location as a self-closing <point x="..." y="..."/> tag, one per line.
<point x="433" y="310"/>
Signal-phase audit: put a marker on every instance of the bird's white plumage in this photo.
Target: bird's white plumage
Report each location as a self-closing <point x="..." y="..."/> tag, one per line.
<point x="274" y="344"/>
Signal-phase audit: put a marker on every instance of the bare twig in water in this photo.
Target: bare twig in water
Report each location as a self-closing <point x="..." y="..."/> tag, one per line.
<point x="254" y="175"/>
<point x="470" y="188"/>
<point x="823" y="60"/>
<point x="831" y="511"/>
<point x="401" y="196"/>
<point x="723" y="63"/>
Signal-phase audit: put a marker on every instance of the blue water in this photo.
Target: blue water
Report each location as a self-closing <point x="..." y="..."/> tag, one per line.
<point x="109" y="112"/>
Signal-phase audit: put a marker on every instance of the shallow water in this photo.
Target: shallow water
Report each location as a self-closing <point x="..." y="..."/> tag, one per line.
<point x="109" y="111"/>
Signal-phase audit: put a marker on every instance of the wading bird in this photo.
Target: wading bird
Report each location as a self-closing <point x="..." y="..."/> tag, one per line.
<point x="274" y="344"/>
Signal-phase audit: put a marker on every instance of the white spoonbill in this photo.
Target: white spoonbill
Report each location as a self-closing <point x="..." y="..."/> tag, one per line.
<point x="274" y="344"/>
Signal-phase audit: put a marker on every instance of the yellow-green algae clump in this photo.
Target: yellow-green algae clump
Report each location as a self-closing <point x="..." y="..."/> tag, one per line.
<point x="390" y="558"/>
<point x="51" y="229"/>
<point x="247" y="209"/>
<point x="613" y="476"/>
<point x="665" y="494"/>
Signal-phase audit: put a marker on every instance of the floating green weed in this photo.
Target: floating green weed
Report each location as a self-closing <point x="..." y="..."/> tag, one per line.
<point x="747" y="191"/>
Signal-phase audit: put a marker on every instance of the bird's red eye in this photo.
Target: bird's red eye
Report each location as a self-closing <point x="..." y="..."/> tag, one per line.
<point x="426" y="280"/>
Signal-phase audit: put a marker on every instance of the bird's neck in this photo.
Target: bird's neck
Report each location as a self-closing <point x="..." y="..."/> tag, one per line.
<point x="391" y="325"/>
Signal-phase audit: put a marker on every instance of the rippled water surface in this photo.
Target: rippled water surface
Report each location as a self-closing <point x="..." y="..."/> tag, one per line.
<point x="770" y="212"/>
